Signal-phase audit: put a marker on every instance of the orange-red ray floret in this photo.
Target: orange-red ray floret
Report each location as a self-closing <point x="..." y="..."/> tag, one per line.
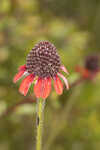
<point x="42" y="88"/>
<point x="24" y="87"/>
<point x="18" y="76"/>
<point x="58" y="85"/>
<point x="46" y="87"/>
<point x="23" y="67"/>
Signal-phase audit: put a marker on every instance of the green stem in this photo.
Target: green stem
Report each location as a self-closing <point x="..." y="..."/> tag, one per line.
<point x="39" y="122"/>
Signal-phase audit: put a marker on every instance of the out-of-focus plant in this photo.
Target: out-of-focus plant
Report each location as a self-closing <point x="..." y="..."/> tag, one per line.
<point x="91" y="67"/>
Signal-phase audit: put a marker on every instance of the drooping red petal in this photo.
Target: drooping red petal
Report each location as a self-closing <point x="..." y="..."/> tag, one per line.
<point x="46" y="87"/>
<point x="38" y="88"/>
<point x="63" y="68"/>
<point x="26" y="84"/>
<point x="42" y="88"/>
<point x="64" y="79"/>
<point x="58" y="85"/>
<point x="18" y="76"/>
<point x="23" y="67"/>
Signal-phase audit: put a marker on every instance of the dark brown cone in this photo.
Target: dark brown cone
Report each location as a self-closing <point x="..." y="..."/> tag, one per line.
<point x="92" y="63"/>
<point x="43" y="60"/>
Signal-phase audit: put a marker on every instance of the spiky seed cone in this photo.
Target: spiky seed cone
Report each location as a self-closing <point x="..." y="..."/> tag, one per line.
<point x="43" y="60"/>
<point x="92" y="63"/>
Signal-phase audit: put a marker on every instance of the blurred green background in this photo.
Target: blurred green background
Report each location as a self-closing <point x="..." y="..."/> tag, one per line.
<point x="72" y="120"/>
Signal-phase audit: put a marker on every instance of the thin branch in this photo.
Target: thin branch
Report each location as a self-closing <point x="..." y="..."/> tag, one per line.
<point x="9" y="110"/>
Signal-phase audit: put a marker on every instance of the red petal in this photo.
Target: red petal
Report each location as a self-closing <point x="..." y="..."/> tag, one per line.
<point x="46" y="87"/>
<point x="42" y="88"/>
<point x="58" y="85"/>
<point x="37" y="88"/>
<point x="18" y="76"/>
<point x="23" y="67"/>
<point x="63" y="68"/>
<point x="26" y="84"/>
<point x="64" y="79"/>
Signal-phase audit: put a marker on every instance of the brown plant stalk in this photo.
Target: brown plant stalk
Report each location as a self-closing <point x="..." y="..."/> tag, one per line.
<point x="11" y="109"/>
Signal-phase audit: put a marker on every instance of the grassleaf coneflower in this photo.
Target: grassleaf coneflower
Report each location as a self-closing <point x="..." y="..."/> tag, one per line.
<point x="42" y="65"/>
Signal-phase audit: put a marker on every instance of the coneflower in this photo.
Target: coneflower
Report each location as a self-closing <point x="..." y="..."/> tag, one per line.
<point x="42" y="64"/>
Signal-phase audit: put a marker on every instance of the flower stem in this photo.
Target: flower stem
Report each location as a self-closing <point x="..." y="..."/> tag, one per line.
<point x="39" y="123"/>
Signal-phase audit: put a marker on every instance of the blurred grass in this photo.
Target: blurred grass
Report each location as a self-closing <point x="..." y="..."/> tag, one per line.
<point x="71" y="120"/>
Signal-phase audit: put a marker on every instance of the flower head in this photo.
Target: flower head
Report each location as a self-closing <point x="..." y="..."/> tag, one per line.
<point x="91" y="67"/>
<point x="92" y="63"/>
<point x="42" y="64"/>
